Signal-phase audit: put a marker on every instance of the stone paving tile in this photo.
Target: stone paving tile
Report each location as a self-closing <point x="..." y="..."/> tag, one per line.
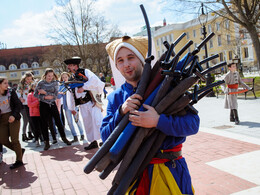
<point x="60" y="171"/>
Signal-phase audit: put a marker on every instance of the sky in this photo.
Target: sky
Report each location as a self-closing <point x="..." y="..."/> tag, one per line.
<point x="25" y="23"/>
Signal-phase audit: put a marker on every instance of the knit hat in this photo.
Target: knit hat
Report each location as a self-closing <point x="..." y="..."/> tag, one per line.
<point x="139" y="45"/>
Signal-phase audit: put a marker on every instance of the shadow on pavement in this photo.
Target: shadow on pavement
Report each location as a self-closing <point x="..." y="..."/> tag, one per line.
<point x="73" y="153"/>
<point x="15" y="179"/>
<point x="250" y="124"/>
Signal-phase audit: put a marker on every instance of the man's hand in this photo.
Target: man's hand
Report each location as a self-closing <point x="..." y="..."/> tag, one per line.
<point x="41" y="91"/>
<point x="11" y="119"/>
<point x="146" y="119"/>
<point x="48" y="97"/>
<point x="131" y="103"/>
<point x="80" y="90"/>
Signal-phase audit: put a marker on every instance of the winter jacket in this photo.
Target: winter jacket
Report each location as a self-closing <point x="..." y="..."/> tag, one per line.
<point x="15" y="104"/>
<point x="33" y="104"/>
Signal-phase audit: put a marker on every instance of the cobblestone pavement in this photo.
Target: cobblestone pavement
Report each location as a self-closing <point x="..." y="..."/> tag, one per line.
<point x="223" y="158"/>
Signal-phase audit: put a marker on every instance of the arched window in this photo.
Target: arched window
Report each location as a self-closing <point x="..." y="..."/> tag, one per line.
<point x="35" y="65"/>
<point x="2" y="67"/>
<point x="23" y="66"/>
<point x="46" y="64"/>
<point x="12" y="67"/>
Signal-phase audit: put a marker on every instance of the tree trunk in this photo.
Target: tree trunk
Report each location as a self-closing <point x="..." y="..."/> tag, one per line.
<point x="256" y="43"/>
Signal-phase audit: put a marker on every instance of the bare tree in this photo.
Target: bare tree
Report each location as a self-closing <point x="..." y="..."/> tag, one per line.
<point x="85" y="31"/>
<point x="244" y="13"/>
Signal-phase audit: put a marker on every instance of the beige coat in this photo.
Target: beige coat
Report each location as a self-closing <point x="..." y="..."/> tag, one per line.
<point x="231" y="100"/>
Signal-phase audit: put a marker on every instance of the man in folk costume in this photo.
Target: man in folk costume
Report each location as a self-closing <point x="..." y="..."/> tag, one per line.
<point x="83" y="96"/>
<point x="233" y="80"/>
<point x="162" y="176"/>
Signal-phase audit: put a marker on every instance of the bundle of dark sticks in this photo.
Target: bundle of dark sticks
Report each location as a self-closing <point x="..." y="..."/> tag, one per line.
<point x="169" y="81"/>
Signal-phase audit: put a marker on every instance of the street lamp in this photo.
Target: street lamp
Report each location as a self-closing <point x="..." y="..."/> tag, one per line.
<point x="203" y="19"/>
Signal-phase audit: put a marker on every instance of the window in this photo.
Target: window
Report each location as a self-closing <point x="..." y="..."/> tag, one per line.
<point x="171" y="38"/>
<point x="23" y="73"/>
<point x="228" y="39"/>
<point x="201" y="31"/>
<point x="210" y="43"/>
<point x="194" y="33"/>
<point x="2" y="67"/>
<point x="35" y="65"/>
<point x="157" y="42"/>
<point x="227" y="24"/>
<point x="246" y="52"/>
<point x="217" y="26"/>
<point x="195" y="45"/>
<point x="159" y="54"/>
<point x="221" y="57"/>
<point x="57" y="70"/>
<point x="161" y="40"/>
<point x="219" y="40"/>
<point x="3" y="74"/>
<point x="188" y="35"/>
<point x="230" y="55"/>
<point x="23" y="66"/>
<point x="13" y="74"/>
<point x="45" y="64"/>
<point x="12" y="67"/>
<point x="36" y="72"/>
<point x="209" y="28"/>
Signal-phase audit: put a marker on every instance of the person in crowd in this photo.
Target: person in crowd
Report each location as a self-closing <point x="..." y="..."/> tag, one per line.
<point x="34" y="108"/>
<point x="22" y="92"/>
<point x="112" y="82"/>
<point x="1" y="153"/>
<point x="103" y="79"/>
<point x="47" y="91"/>
<point x="232" y="81"/>
<point x="10" y="107"/>
<point x="64" y="77"/>
<point x="128" y="55"/>
<point x="87" y="98"/>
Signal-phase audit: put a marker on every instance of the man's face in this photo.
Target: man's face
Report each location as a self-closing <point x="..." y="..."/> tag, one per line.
<point x="72" y="68"/>
<point x="129" y="65"/>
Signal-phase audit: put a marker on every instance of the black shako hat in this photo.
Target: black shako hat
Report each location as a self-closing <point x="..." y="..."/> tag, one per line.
<point x="73" y="60"/>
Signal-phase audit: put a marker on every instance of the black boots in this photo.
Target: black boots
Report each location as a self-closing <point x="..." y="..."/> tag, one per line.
<point x="30" y="136"/>
<point x="24" y="138"/>
<point x="47" y="145"/>
<point x="92" y="145"/>
<point x="75" y="139"/>
<point x="16" y="164"/>
<point x="234" y="116"/>
<point x="81" y="137"/>
<point x="64" y="139"/>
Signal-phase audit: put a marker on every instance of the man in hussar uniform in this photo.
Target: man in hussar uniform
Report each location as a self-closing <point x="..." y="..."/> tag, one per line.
<point x="83" y="96"/>
<point x="233" y="80"/>
<point x="127" y="56"/>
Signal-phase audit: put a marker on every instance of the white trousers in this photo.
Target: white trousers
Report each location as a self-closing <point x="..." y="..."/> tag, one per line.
<point x="92" y="120"/>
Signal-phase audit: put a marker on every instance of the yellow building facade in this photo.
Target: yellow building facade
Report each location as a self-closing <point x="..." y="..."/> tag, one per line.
<point x="229" y="41"/>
